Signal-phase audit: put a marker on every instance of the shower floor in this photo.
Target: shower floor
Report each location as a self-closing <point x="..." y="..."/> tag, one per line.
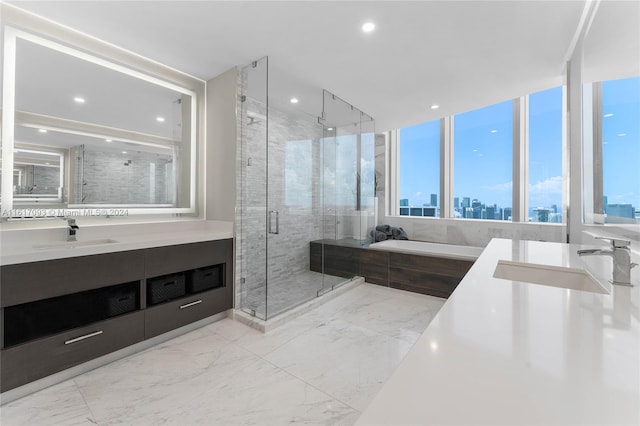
<point x="285" y="294"/>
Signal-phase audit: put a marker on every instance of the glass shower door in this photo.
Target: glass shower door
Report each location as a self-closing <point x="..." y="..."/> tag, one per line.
<point x="251" y="235"/>
<point x="293" y="213"/>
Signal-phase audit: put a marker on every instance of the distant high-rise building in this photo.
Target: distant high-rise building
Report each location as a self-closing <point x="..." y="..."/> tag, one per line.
<point x="429" y="211"/>
<point x="434" y="200"/>
<point x="554" y="208"/>
<point x="456" y="203"/>
<point x="466" y="202"/>
<point x="468" y="212"/>
<point x="404" y="202"/>
<point x="477" y="208"/>
<point x="555" y="217"/>
<point x="491" y="212"/>
<point x="541" y="214"/>
<point x="507" y="213"/>
<point x="605" y="203"/>
<point x="620" y="210"/>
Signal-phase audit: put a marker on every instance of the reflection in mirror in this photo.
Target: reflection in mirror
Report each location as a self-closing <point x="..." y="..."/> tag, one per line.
<point x="127" y="139"/>
<point x="37" y="175"/>
<point x="611" y="106"/>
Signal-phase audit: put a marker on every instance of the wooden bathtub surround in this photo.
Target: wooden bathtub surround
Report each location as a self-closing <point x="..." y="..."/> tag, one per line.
<point x="425" y="274"/>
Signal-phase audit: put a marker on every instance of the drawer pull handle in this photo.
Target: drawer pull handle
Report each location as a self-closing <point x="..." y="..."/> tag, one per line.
<point x="188" y="305"/>
<point x="86" y="336"/>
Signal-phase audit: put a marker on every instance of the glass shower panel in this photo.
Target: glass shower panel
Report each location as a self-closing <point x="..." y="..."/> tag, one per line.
<point x="294" y="206"/>
<point x="368" y="178"/>
<point x="251" y="273"/>
<point x="348" y="182"/>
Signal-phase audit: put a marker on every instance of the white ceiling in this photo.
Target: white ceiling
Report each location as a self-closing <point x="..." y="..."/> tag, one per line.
<point x="458" y="54"/>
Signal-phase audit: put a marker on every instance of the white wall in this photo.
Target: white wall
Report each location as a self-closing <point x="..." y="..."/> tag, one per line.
<point x="220" y="153"/>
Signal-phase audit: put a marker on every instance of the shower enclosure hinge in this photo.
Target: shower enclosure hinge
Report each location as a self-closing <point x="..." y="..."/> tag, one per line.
<point x="243" y="280"/>
<point x="243" y="98"/>
<point x="254" y="64"/>
<point x="249" y="161"/>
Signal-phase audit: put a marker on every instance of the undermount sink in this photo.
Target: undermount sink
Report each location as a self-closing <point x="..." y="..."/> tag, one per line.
<point x="574" y="279"/>
<point x="74" y="244"/>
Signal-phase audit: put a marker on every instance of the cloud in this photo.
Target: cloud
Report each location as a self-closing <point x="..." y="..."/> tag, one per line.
<point x="552" y="185"/>
<point x="503" y="187"/>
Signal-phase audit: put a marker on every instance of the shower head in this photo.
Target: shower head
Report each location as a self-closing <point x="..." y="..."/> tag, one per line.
<point x="254" y="118"/>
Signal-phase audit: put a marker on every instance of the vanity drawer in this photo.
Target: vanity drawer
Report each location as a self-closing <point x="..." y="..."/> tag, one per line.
<point x="183" y="257"/>
<point x="26" y="282"/>
<point x="39" y="358"/>
<point x="171" y="315"/>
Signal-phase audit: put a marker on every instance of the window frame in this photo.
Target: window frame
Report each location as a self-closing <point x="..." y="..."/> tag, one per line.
<point x="520" y="168"/>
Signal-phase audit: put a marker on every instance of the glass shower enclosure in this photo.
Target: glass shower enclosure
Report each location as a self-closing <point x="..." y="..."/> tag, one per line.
<point x="302" y="178"/>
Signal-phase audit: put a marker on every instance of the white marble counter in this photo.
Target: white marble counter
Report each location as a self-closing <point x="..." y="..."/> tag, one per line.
<point x="505" y="352"/>
<point x="18" y="242"/>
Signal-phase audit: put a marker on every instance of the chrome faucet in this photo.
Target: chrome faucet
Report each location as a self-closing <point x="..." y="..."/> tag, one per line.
<point x="72" y="229"/>
<point x="621" y="256"/>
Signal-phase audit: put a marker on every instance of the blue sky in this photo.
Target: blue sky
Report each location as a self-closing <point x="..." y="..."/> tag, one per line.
<point x="621" y="141"/>
<point x="483" y="151"/>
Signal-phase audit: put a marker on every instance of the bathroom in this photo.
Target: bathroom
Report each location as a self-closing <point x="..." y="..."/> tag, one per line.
<point x="197" y="157"/>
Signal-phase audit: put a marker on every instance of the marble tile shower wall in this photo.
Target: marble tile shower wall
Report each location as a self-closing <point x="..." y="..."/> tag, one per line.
<point x="116" y="178"/>
<point x="300" y="209"/>
<point x="40" y="180"/>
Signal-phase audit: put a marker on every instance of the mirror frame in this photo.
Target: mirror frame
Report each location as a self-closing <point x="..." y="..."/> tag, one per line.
<point x="49" y="198"/>
<point x="11" y="35"/>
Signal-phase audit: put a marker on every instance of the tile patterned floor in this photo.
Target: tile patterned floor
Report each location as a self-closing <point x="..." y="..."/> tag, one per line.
<point x="322" y="368"/>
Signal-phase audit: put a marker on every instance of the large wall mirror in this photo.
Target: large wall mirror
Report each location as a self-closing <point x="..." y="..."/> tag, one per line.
<point x="81" y="132"/>
<point x="611" y="107"/>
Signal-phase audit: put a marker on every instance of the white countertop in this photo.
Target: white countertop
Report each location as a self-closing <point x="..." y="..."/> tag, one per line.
<point x="17" y="242"/>
<point x="505" y="352"/>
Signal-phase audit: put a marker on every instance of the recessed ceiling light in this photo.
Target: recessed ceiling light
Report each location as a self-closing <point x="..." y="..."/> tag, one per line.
<point x="108" y="140"/>
<point x="608" y="115"/>
<point x="42" y="130"/>
<point x="160" y="119"/>
<point x="330" y="128"/>
<point x="124" y="152"/>
<point x="367" y="27"/>
<point x="622" y="134"/>
<point x="294" y="100"/>
<point x="494" y="131"/>
<point x="434" y="106"/>
<point x="47" y="163"/>
<point x="78" y="100"/>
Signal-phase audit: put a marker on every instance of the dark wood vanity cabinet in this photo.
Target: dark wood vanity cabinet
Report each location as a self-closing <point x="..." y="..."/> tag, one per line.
<point x="59" y="313"/>
<point x="194" y="305"/>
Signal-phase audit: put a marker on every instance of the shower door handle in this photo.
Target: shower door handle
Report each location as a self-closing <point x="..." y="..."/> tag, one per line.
<point x="277" y="213"/>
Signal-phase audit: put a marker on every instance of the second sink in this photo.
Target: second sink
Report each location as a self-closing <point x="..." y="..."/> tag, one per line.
<point x="574" y="279"/>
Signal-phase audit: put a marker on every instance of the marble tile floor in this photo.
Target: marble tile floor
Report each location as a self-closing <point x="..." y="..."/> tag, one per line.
<point x="288" y="293"/>
<point x="322" y="368"/>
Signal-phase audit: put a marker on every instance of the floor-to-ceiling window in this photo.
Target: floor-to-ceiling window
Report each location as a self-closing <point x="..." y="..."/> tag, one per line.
<point x="545" y="156"/>
<point x="483" y="170"/>
<point x="482" y="163"/>
<point x="420" y="169"/>
<point x="621" y="150"/>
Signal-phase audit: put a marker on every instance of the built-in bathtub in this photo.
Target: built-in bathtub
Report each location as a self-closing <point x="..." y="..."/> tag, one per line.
<point x="424" y="248"/>
<point x="428" y="268"/>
